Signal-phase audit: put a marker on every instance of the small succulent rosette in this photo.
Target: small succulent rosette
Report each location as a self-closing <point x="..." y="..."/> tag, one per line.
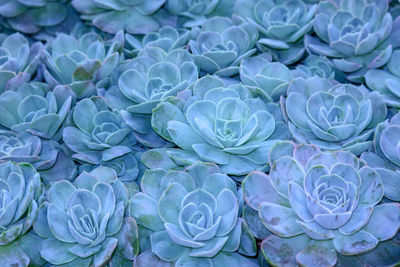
<point x="145" y="81"/>
<point x="387" y="81"/>
<point x="47" y="156"/>
<point x="233" y="127"/>
<point x="273" y="78"/>
<point x="83" y="223"/>
<point x="331" y="115"/>
<point x="357" y="35"/>
<point x="167" y="38"/>
<point x="323" y="208"/>
<point x="193" y="217"/>
<point x="98" y="134"/>
<point x="222" y="44"/>
<point x="385" y="158"/>
<point x="319" y="66"/>
<point x="126" y="167"/>
<point x="195" y="13"/>
<point x="134" y="17"/>
<point x="21" y="194"/>
<point x="83" y="64"/>
<point x="19" y="61"/>
<point x="282" y="25"/>
<point x="33" y="107"/>
<point x="32" y="17"/>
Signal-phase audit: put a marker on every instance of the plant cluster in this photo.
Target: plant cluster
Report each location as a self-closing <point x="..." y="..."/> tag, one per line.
<point x="208" y="133"/>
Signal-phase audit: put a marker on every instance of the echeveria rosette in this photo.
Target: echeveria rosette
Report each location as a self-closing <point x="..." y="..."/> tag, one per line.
<point x="34" y="108"/>
<point x="98" y="134"/>
<point x="135" y="17"/>
<point x="21" y="194"/>
<point x="324" y="207"/>
<point x="126" y="167"/>
<point x="222" y="44"/>
<point x="193" y="217"/>
<point x="167" y="38"/>
<point x="354" y="34"/>
<point x="195" y="13"/>
<point x="83" y="223"/>
<point x="282" y="25"/>
<point x="385" y="158"/>
<point x="146" y="80"/>
<point x="19" y="61"/>
<point x="387" y="81"/>
<point x="333" y="116"/>
<point x="30" y="17"/>
<point x="319" y="66"/>
<point x="223" y="125"/>
<point x="82" y="63"/>
<point x="273" y="78"/>
<point x="47" y="156"/>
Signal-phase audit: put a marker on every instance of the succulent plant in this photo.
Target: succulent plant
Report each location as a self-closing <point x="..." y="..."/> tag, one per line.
<point x="126" y="167"/>
<point x="387" y="82"/>
<point x="46" y="156"/>
<point x="222" y="44"/>
<point x="385" y="158"/>
<point x="315" y="65"/>
<point x="167" y="38"/>
<point x="30" y="17"/>
<point x="83" y="223"/>
<point x="282" y="25"/>
<point x="82" y="63"/>
<point x="98" y="134"/>
<point x="223" y="125"/>
<point x="21" y="194"/>
<point x="146" y="80"/>
<point x="322" y="207"/>
<point x="18" y="61"/>
<point x="273" y="78"/>
<point x="333" y="116"/>
<point x="193" y="217"/>
<point x="195" y="13"/>
<point x="135" y="17"/>
<point x="354" y="34"/>
<point x="34" y="108"/>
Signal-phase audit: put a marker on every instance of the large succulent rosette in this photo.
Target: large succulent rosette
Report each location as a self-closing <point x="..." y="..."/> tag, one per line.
<point x="333" y="116"/>
<point x="83" y="223"/>
<point x="224" y="125"/>
<point x="21" y="194"/>
<point x="83" y="64"/>
<point x="385" y="156"/>
<point x="282" y="25"/>
<point x="356" y="34"/>
<point x="98" y="134"/>
<point x="222" y="44"/>
<point x="387" y="81"/>
<point x="145" y="81"/>
<point x="323" y="208"/>
<point x="193" y="217"/>
<point x="135" y="17"/>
